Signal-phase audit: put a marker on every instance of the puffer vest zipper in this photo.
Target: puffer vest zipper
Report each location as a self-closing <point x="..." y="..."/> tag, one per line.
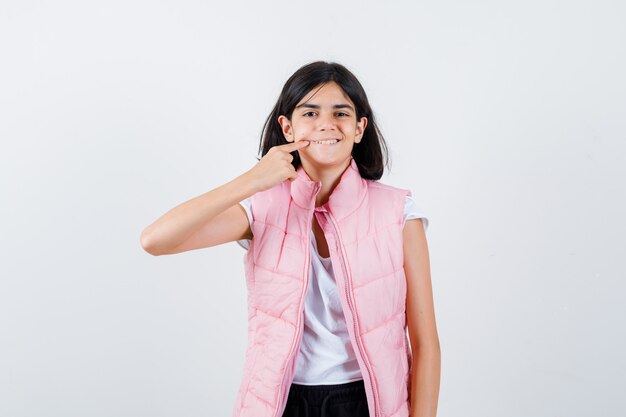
<point x="362" y="223"/>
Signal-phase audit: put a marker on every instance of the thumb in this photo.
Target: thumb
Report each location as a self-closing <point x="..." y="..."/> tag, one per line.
<point x="293" y="176"/>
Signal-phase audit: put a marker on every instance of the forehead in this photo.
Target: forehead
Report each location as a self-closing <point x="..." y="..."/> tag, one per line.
<point x="330" y="93"/>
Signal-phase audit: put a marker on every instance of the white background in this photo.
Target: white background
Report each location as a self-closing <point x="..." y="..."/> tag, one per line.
<point x="506" y="120"/>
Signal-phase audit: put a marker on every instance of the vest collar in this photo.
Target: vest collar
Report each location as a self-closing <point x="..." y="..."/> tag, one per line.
<point x="344" y="199"/>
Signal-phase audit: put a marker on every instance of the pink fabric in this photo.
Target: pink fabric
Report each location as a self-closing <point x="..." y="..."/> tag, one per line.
<point x="362" y="222"/>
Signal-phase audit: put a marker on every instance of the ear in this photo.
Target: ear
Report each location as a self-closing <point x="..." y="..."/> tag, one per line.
<point x="360" y="128"/>
<point x="285" y="125"/>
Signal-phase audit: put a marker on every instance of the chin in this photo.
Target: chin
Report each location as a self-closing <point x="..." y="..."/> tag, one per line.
<point x="319" y="160"/>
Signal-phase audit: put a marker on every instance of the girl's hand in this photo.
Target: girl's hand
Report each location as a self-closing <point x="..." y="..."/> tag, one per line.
<point x="275" y="166"/>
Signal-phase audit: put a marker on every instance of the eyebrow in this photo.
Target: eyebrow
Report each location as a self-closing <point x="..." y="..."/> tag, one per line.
<point x="317" y="106"/>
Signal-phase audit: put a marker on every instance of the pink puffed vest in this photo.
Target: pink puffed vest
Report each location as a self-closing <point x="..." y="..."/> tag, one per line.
<point x="362" y="223"/>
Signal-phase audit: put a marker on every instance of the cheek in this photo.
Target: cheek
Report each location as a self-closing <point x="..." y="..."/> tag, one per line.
<point x="348" y="126"/>
<point x="302" y="132"/>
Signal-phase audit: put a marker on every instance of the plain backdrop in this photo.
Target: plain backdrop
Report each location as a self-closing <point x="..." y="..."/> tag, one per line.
<point x="506" y="119"/>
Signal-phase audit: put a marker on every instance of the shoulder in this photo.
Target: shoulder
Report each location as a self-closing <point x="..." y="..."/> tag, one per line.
<point x="412" y="208"/>
<point x="264" y="200"/>
<point x="378" y="186"/>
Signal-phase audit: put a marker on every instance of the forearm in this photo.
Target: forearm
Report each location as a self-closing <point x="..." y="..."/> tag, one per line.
<point x="425" y="377"/>
<point x="175" y="226"/>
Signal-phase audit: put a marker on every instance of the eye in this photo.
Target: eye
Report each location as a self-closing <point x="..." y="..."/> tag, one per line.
<point x="346" y="114"/>
<point x="309" y="112"/>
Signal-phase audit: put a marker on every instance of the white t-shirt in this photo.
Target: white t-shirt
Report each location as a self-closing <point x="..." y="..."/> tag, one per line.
<point x="326" y="355"/>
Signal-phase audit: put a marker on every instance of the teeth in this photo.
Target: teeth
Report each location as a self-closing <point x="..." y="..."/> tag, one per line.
<point x="327" y="142"/>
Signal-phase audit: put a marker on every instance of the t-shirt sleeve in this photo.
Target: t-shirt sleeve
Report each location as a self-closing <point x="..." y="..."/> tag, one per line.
<point x="245" y="243"/>
<point x="413" y="211"/>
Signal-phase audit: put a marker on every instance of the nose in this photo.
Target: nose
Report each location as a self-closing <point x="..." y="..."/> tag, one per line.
<point x="326" y="121"/>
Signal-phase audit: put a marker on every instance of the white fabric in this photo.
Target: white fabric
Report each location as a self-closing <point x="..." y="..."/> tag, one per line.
<point x="326" y="355"/>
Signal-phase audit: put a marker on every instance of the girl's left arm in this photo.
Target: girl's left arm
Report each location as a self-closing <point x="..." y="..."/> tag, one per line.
<point x="420" y="311"/>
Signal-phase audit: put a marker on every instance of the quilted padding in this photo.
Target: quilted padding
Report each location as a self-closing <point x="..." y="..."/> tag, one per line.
<point x="362" y="222"/>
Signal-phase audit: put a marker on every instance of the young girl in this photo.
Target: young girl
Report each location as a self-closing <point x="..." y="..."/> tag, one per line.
<point x="337" y="265"/>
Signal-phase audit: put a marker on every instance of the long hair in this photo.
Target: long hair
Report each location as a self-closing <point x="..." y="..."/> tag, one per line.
<point x="370" y="154"/>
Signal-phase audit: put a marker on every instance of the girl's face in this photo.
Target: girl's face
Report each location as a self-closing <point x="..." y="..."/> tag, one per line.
<point x="324" y="113"/>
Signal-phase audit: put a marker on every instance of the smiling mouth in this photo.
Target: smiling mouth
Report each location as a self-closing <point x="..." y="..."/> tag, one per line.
<point x="325" y="141"/>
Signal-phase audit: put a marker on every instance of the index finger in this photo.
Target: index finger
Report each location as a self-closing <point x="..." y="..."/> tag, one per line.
<point x="293" y="146"/>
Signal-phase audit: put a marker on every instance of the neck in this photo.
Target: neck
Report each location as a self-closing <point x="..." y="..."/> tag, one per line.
<point x="328" y="175"/>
